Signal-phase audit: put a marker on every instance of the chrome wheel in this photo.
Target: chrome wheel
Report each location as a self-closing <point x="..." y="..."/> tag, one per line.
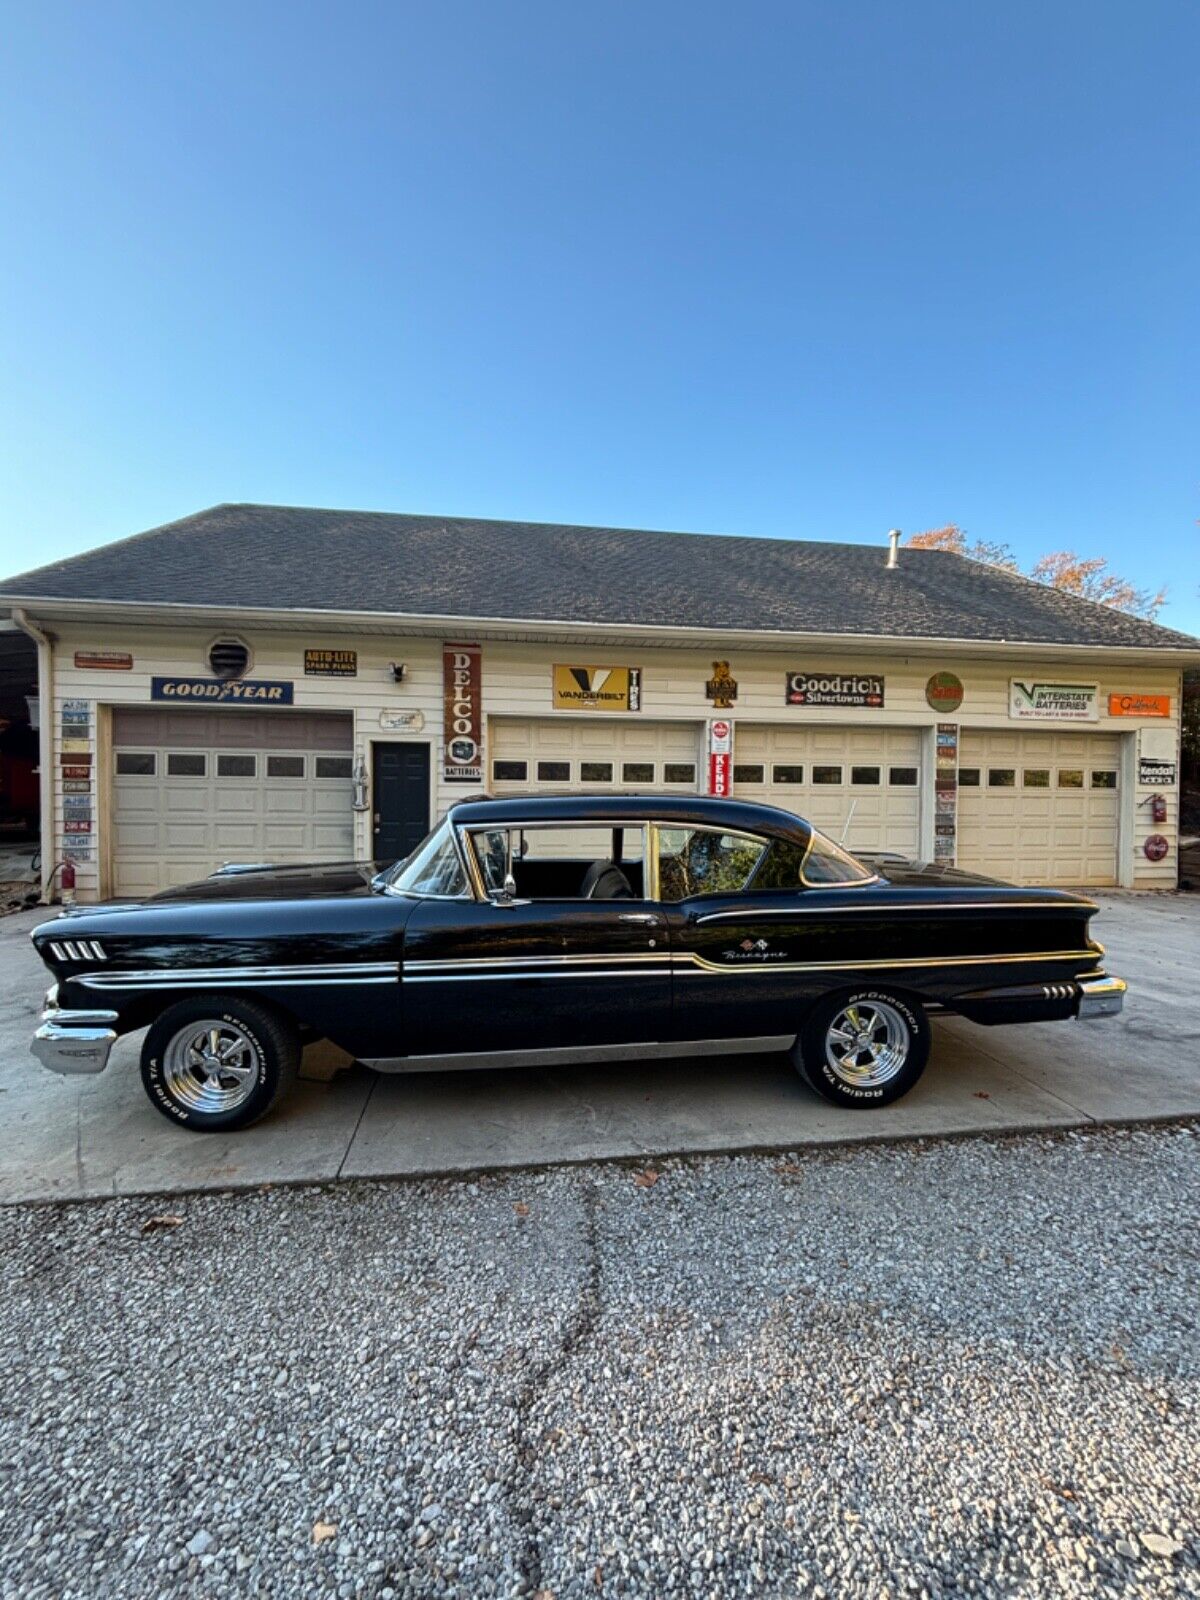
<point x="211" y="1066"/>
<point x="867" y="1044"/>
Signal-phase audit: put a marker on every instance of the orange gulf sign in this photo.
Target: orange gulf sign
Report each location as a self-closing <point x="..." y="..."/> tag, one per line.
<point x="1139" y="705"/>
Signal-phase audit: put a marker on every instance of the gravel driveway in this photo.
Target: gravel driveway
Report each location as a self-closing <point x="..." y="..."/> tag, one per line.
<point x="955" y="1369"/>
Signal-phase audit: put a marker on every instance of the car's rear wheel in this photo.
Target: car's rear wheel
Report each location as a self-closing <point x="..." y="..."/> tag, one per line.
<point x="863" y="1048"/>
<point x="216" y="1063"/>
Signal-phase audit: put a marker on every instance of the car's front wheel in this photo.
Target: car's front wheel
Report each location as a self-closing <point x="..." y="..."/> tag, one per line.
<point x="864" y="1048"/>
<point x="216" y="1063"/>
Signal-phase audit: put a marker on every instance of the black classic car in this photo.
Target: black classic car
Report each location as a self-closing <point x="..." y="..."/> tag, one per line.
<point x="575" y="928"/>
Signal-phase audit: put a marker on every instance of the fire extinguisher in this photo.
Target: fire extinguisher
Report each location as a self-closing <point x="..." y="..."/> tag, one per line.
<point x="68" y="883"/>
<point x="1158" y="808"/>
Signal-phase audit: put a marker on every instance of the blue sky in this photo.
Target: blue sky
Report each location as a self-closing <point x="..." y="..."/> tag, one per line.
<point x="800" y="270"/>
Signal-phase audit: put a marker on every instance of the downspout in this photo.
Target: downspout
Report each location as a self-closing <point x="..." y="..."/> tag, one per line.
<point x="45" y="651"/>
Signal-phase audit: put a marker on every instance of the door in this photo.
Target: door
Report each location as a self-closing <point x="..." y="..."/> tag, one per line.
<point x="1039" y="807"/>
<point x="862" y="781"/>
<point x="194" y="788"/>
<point x="400" y="804"/>
<point x="552" y="969"/>
<point x="593" y="755"/>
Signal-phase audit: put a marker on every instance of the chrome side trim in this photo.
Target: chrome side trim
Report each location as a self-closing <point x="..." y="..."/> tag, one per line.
<point x="545" y="973"/>
<point x="687" y="964"/>
<point x="209" y="977"/>
<point x="1101" y="997"/>
<point x="572" y="1054"/>
<point x="829" y="911"/>
<point x="471" y="963"/>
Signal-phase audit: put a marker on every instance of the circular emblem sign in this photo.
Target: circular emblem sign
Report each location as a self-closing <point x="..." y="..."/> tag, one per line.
<point x="720" y="730"/>
<point x="1155" y="847"/>
<point x="944" y="691"/>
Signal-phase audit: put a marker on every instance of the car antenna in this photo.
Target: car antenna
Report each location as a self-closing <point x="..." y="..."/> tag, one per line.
<point x="849" y="820"/>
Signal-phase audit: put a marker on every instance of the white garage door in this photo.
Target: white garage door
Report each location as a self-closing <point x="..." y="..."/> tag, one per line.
<point x="1039" y="807"/>
<point x="582" y="756"/>
<point x="193" y="789"/>
<point x="867" y="775"/>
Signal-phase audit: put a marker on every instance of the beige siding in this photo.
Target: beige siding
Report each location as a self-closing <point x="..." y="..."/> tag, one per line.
<point x="517" y="684"/>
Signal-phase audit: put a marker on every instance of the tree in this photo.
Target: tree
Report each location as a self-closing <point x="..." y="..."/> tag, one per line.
<point x="1089" y="579"/>
<point x="954" y="539"/>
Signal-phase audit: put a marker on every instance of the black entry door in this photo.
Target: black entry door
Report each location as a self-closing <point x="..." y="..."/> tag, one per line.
<point x="401" y="800"/>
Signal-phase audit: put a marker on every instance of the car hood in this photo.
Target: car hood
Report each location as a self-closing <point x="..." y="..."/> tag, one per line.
<point x="275" y="883"/>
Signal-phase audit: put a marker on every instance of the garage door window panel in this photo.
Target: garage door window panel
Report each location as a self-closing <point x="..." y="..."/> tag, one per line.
<point x="1070" y="777"/>
<point x="903" y="777"/>
<point x="865" y="776"/>
<point x="186" y="764"/>
<point x="679" y="772"/>
<point x="236" y="766"/>
<point x="510" y="771"/>
<point x="1104" y="780"/>
<point x="637" y="772"/>
<point x="136" y="764"/>
<point x="285" y="767"/>
<point x="827" y="775"/>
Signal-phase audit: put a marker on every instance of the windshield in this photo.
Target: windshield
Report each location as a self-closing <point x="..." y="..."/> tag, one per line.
<point x="433" y="869"/>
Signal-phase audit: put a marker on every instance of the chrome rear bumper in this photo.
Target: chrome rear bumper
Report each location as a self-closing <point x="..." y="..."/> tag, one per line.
<point x="73" y="1043"/>
<point x="1101" y="997"/>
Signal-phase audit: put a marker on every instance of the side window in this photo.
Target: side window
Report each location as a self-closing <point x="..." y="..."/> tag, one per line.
<point x="704" y="861"/>
<point x="571" y="861"/>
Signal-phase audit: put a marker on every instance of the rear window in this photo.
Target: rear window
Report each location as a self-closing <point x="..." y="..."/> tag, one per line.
<point x="788" y="865"/>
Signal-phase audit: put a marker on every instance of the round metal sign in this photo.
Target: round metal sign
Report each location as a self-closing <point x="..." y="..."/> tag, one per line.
<point x="944" y="692"/>
<point x="1156" y="847"/>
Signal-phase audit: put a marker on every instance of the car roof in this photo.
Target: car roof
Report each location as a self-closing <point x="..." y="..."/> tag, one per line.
<point x="695" y="809"/>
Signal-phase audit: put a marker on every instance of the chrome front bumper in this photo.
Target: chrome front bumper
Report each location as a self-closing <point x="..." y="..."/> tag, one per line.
<point x="1101" y="997"/>
<point x="73" y="1043"/>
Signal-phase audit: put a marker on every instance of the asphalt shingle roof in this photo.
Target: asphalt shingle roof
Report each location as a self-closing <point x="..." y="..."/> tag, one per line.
<point x="299" y="558"/>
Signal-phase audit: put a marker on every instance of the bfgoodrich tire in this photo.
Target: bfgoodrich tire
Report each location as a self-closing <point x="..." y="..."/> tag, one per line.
<point x="863" y="1048"/>
<point x="216" y="1063"/>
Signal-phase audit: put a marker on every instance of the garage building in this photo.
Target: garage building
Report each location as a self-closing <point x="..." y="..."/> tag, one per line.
<point x="260" y="683"/>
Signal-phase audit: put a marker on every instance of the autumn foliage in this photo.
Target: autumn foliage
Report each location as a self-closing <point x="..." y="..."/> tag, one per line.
<point x="1089" y="579"/>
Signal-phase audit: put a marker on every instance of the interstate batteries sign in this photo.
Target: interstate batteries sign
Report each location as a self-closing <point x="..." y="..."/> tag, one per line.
<point x="597" y="688"/>
<point x="240" y="691"/>
<point x="834" y="689"/>
<point x="1044" y="701"/>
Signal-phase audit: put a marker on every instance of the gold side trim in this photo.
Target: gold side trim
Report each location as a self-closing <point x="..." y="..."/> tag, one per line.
<point x="857" y="966"/>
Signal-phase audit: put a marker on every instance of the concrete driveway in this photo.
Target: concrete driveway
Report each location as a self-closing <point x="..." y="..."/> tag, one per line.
<point x="70" y="1139"/>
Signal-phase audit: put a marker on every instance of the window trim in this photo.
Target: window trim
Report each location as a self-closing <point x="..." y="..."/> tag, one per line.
<point x="465" y="832"/>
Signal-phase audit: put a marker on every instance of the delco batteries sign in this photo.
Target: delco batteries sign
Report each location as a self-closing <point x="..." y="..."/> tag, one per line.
<point x="834" y="689"/>
<point x="239" y="691"/>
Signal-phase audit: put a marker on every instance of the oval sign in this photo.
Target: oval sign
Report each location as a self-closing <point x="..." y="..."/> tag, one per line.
<point x="944" y="692"/>
<point x="1156" y="847"/>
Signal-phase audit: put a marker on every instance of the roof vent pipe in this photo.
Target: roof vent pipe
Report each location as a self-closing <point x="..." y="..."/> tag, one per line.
<point x="894" y="537"/>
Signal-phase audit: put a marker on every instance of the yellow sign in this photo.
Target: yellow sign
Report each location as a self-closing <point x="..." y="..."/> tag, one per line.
<point x="597" y="688"/>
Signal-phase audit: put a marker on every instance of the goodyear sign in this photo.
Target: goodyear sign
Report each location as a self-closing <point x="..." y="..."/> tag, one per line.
<point x="597" y="688"/>
<point x="219" y="691"/>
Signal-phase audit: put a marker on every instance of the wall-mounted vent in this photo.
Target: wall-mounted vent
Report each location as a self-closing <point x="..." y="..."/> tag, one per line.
<point x="228" y="659"/>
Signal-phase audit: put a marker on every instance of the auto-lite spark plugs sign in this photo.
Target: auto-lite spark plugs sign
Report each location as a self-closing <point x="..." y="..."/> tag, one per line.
<point x="834" y="689"/>
<point x="720" y="756"/>
<point x="462" y="686"/>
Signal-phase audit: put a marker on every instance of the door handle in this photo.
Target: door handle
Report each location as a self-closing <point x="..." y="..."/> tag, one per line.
<point x="637" y="916"/>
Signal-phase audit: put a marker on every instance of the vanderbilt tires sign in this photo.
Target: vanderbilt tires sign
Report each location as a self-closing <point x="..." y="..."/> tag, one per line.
<point x="597" y="688"/>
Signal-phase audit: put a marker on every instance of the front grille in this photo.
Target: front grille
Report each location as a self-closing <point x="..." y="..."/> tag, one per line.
<point x="78" y="950"/>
